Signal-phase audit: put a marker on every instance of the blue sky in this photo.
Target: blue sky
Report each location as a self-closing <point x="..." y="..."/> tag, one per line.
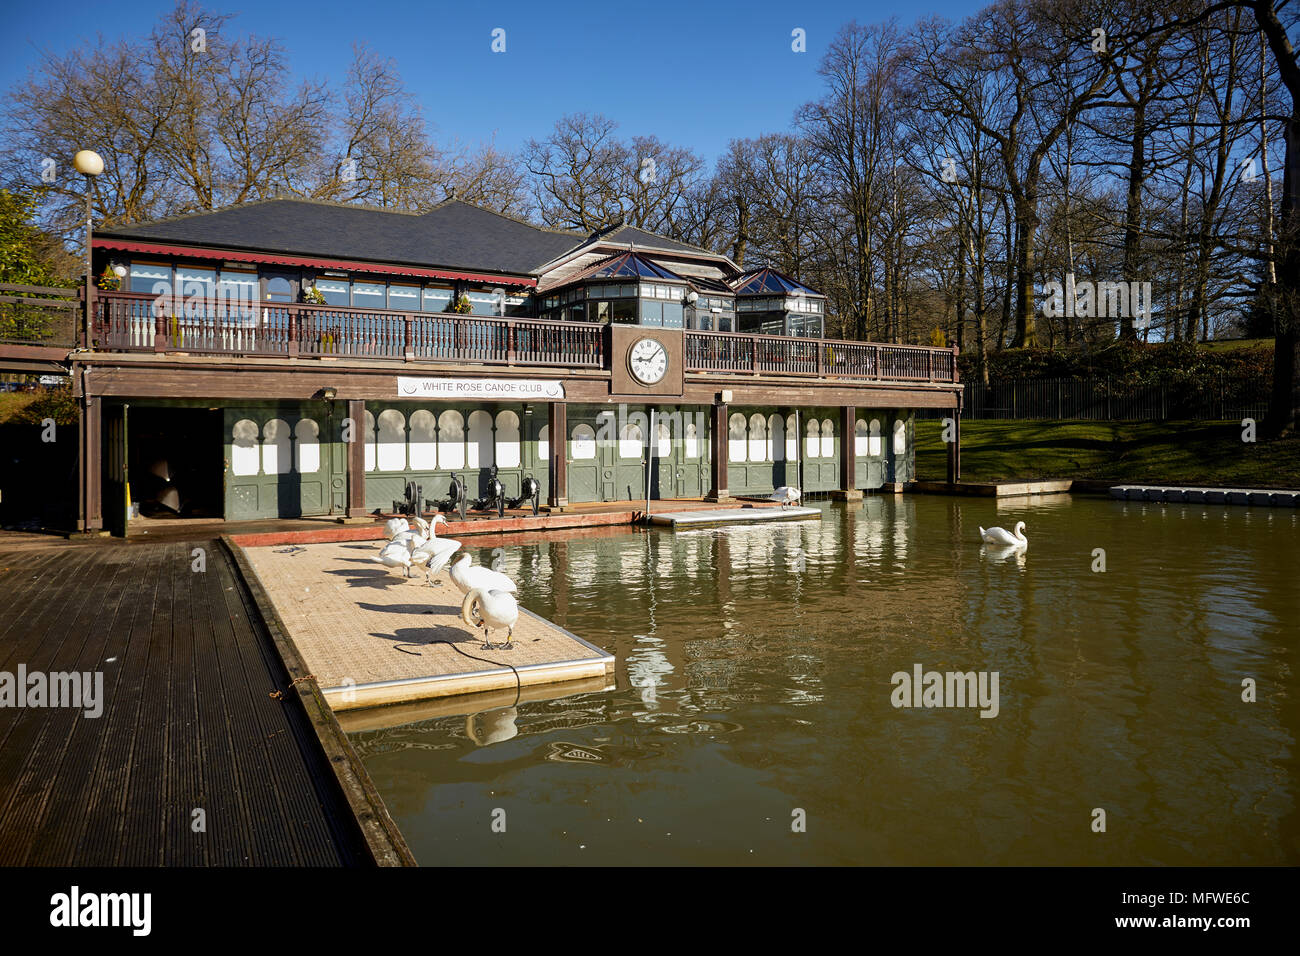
<point x="696" y="74"/>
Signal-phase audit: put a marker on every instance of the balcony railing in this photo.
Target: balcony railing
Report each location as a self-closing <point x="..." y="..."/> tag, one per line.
<point x="823" y="358"/>
<point x="131" y="322"/>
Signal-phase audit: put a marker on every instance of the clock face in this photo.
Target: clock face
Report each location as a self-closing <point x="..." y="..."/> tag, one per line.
<point x="648" y="361"/>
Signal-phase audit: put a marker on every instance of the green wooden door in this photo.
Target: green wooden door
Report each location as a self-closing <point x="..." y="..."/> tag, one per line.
<point x="869" y="451"/>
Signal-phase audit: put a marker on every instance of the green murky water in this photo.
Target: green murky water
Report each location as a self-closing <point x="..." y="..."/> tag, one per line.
<point x="754" y="680"/>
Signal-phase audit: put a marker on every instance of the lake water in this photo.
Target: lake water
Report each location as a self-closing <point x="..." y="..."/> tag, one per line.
<point x="754" y="691"/>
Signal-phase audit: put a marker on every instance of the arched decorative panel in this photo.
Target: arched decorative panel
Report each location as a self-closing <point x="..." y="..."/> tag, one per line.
<point x="244" y="454"/>
<point x="900" y="437"/>
<point x="584" y="442"/>
<point x="630" y="441"/>
<point x="423" y="441"/>
<point x="451" y="440"/>
<point x="369" y="439"/>
<point x="692" y="441"/>
<point x="860" y="438"/>
<point x="276" y="458"/>
<point x="392" y="441"/>
<point x="665" y="440"/>
<point x="757" y="438"/>
<point x="308" y="451"/>
<point x="544" y="445"/>
<point x="775" y="438"/>
<point x="791" y="438"/>
<point x="507" y="441"/>
<point x="736" y="437"/>
<point x="873" y="439"/>
<point x="480" y="439"/>
<point x="812" y="447"/>
<point x="828" y="438"/>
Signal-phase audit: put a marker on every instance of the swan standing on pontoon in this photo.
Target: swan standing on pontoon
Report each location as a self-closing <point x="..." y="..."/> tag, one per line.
<point x="786" y="494"/>
<point x="396" y="554"/>
<point x="488" y="609"/>
<point x="434" y="553"/>
<point x="468" y="577"/>
<point x="1004" y="538"/>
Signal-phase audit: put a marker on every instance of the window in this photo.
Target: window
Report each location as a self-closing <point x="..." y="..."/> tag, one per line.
<point x="775" y="439"/>
<point x="336" y="291"/>
<point x="900" y="437"/>
<point x="275" y="447"/>
<point x="368" y="295"/>
<point x="404" y="298"/>
<point x="145" y="275"/>
<point x="828" y="438"/>
<point x="243" y="448"/>
<point x="435" y="300"/>
<point x="480" y="440"/>
<point x="791" y="439"/>
<point x="584" y="442"/>
<point x="861" y="439"/>
<point x="672" y="315"/>
<point x="757" y="438"/>
<point x="307" y="453"/>
<point x="544" y="445"/>
<point x="237" y="291"/>
<point x="692" y="441"/>
<point x="451" y="440"/>
<point x="873" y="439"/>
<point x="665" y="441"/>
<point x="508" y="439"/>
<point x="624" y="310"/>
<point x="736" y="437"/>
<point x="424" y="449"/>
<point x="279" y="288"/>
<point x="484" y="302"/>
<point x="812" y="445"/>
<point x="392" y="440"/>
<point x="197" y="287"/>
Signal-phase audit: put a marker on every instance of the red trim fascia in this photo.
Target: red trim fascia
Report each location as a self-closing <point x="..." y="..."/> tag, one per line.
<point x="232" y="255"/>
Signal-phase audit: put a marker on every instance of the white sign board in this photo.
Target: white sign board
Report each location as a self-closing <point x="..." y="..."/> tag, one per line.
<point x="489" y="389"/>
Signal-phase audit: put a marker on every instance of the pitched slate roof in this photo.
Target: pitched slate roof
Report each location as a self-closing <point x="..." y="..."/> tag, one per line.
<point x="634" y="236"/>
<point x="452" y="234"/>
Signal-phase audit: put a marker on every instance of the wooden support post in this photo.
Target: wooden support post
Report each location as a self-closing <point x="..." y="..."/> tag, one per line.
<point x="90" y="465"/>
<point x="718" y="448"/>
<point x="848" y="456"/>
<point x="559" y="464"/>
<point x="954" y="448"/>
<point x="356" y="455"/>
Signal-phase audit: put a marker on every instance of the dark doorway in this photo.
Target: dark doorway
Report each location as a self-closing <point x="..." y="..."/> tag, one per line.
<point x="176" y="462"/>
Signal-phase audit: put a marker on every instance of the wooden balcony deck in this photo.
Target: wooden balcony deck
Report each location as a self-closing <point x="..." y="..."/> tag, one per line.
<point x="130" y="322"/>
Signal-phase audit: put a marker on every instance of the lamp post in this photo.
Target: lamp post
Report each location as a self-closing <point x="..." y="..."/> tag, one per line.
<point x="89" y="164"/>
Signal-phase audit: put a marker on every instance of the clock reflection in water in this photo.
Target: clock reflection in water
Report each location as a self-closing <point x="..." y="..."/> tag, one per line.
<point x="648" y="361"/>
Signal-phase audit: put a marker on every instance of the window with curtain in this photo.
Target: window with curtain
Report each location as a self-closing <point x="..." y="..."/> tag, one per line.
<point x="392" y="440"/>
<point x="423" y="440"/>
<point x="480" y="440"/>
<point x="276" y="458"/>
<point x="630" y="441"/>
<point x="812" y="445"/>
<point x="508" y="447"/>
<point x="584" y="442"/>
<point x="244" y="454"/>
<point x="828" y="438"/>
<point x="307" y="450"/>
<point x="451" y="440"/>
<point x="757" y="438"/>
<point x="736" y="438"/>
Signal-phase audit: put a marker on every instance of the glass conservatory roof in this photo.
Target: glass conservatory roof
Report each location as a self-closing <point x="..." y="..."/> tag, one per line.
<point x="768" y="281"/>
<point x="629" y="265"/>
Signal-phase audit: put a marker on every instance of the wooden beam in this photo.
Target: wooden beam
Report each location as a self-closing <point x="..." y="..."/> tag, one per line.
<point x="718" y="444"/>
<point x="356" y="450"/>
<point x="848" y="449"/>
<point x="91" y="465"/>
<point x="559" y="465"/>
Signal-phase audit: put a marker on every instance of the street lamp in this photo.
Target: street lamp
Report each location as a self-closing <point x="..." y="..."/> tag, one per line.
<point x="89" y="164"/>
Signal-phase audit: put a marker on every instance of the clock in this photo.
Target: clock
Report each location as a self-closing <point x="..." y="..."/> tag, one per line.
<point x="648" y="361"/>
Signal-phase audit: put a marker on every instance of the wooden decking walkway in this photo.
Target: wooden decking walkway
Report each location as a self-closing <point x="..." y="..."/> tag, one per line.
<point x="188" y="721"/>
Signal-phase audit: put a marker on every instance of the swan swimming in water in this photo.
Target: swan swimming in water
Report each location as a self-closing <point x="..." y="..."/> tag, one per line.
<point x="468" y="577"/>
<point x="488" y="609"/>
<point x="1006" y="539"/>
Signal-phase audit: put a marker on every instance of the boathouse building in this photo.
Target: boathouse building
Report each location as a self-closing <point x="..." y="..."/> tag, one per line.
<point x="290" y="357"/>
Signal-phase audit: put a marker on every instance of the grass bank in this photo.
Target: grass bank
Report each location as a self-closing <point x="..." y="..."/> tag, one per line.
<point x="1175" y="453"/>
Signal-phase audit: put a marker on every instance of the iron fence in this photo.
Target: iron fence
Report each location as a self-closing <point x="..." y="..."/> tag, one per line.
<point x="1217" y="398"/>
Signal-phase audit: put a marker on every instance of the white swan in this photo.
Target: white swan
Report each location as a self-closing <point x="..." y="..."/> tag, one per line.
<point x="422" y="526"/>
<point x="395" y="526"/>
<point x="488" y="609"/>
<point x="396" y="555"/>
<point x="1005" y="538"/>
<point x="469" y="577"/>
<point x="434" y="553"/>
<point x="786" y="494"/>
